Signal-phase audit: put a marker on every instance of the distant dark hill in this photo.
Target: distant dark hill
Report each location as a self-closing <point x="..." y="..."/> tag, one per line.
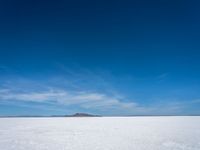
<point x="83" y="115"/>
<point x="36" y="116"/>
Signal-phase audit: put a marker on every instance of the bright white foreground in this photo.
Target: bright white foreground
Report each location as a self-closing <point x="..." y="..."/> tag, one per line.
<point x="103" y="133"/>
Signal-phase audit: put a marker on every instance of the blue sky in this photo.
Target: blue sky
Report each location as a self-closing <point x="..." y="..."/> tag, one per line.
<point x="102" y="57"/>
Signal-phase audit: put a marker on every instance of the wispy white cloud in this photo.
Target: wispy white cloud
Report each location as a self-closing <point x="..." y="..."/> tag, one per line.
<point x="88" y="100"/>
<point x="94" y="101"/>
<point x="86" y="90"/>
<point x="83" y="89"/>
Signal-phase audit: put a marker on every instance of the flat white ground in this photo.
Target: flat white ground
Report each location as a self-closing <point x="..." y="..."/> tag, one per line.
<point x="103" y="133"/>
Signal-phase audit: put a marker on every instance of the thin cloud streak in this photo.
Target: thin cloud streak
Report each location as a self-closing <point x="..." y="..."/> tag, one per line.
<point x="84" y="91"/>
<point x="83" y="99"/>
<point x="93" y="101"/>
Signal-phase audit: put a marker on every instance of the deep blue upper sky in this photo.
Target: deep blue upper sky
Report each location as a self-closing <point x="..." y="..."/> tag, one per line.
<point x="107" y="57"/>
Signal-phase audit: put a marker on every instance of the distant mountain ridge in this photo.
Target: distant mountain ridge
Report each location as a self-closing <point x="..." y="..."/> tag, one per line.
<point x="73" y="115"/>
<point x="83" y="115"/>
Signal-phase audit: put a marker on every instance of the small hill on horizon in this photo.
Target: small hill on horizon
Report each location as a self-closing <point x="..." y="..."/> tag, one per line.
<point x="82" y="115"/>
